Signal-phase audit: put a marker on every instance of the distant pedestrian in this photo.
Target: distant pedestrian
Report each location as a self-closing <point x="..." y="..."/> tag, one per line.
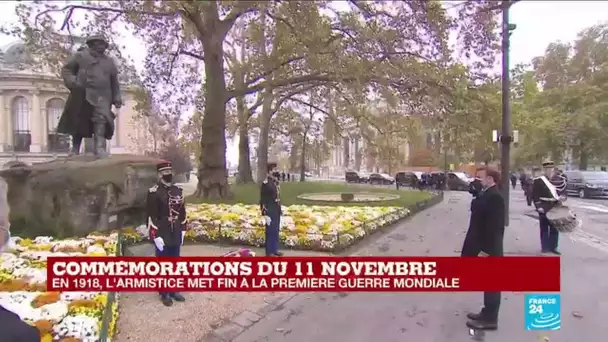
<point x="485" y="238"/>
<point x="513" y="180"/>
<point x="288" y="176"/>
<point x="283" y="176"/>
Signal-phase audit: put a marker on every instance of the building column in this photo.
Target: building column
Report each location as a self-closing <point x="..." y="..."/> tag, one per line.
<point x="3" y="121"/>
<point x="44" y="131"/>
<point x="35" y="121"/>
<point x="9" y="122"/>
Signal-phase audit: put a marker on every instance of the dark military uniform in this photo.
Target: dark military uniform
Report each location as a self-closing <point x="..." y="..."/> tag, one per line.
<point x="544" y="200"/>
<point x="166" y="212"/>
<point x="166" y="217"/>
<point x="270" y="206"/>
<point x="92" y="79"/>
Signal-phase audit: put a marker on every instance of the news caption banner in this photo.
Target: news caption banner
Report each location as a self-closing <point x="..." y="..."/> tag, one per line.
<point x="319" y="274"/>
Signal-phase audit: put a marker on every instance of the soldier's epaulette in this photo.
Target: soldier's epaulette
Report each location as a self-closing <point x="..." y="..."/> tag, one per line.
<point x="153" y="189"/>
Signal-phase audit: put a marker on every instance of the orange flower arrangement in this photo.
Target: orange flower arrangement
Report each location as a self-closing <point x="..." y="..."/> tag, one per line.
<point x="44" y="326"/>
<point x="46" y="298"/>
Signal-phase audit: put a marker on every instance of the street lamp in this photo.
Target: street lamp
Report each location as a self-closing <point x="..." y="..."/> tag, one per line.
<point x="506" y="139"/>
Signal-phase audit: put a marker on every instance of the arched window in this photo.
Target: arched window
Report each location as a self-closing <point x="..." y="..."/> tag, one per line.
<point x="20" y="111"/>
<point x="56" y="142"/>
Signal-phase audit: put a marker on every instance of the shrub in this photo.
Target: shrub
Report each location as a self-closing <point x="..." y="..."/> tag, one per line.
<point x="347" y="197"/>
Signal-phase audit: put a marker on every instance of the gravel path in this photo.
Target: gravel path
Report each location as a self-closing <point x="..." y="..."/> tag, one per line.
<point x="144" y="318"/>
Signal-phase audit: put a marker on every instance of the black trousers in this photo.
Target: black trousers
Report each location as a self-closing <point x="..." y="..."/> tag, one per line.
<point x="168" y="251"/>
<point x="491" y="305"/>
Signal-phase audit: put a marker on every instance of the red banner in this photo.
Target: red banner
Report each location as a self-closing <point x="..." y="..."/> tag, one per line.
<point x="318" y="274"/>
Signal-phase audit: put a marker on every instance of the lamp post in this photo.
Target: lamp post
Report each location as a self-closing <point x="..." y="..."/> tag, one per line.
<point x="506" y="139"/>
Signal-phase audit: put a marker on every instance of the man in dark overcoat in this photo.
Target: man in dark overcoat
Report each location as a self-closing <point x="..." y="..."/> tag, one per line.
<point x="485" y="238"/>
<point x="92" y="78"/>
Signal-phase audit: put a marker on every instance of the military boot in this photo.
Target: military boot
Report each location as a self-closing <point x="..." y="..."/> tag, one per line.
<point x="99" y="141"/>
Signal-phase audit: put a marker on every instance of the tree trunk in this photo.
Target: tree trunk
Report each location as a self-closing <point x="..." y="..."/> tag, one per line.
<point x="212" y="173"/>
<point x="357" y="154"/>
<point x="244" y="169"/>
<point x="293" y="156"/>
<point x="583" y="159"/>
<point x="263" y="142"/>
<point x="303" y="158"/>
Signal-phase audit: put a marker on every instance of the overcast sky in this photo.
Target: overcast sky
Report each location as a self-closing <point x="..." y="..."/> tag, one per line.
<point x="538" y="24"/>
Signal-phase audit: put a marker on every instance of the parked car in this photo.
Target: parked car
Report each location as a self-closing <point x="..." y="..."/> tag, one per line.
<point x="407" y="178"/>
<point x="587" y="184"/>
<point x="363" y="177"/>
<point x="381" y="178"/>
<point x="459" y="181"/>
<point x="353" y="177"/>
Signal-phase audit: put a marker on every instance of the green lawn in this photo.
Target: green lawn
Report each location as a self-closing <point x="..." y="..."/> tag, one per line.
<point x="250" y="194"/>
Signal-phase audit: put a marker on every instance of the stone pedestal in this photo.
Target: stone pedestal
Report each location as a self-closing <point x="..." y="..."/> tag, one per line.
<point x="76" y="196"/>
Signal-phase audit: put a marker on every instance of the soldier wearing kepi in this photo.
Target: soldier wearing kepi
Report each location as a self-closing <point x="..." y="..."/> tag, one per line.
<point x="547" y="192"/>
<point x="270" y="206"/>
<point x="166" y="213"/>
<point x="92" y="78"/>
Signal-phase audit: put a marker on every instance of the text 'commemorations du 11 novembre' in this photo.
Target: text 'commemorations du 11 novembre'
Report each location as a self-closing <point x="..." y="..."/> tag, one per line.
<point x="239" y="275"/>
<point x="327" y="273"/>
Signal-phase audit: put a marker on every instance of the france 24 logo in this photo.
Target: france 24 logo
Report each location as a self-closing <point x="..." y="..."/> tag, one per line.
<point x="543" y="312"/>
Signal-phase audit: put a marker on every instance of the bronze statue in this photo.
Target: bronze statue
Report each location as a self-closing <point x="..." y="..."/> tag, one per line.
<point x="92" y="78"/>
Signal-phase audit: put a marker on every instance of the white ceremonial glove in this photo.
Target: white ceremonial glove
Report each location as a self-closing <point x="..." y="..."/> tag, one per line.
<point x="160" y="243"/>
<point x="268" y="220"/>
<point x="183" y="236"/>
<point x="483" y="254"/>
<point x="540" y="210"/>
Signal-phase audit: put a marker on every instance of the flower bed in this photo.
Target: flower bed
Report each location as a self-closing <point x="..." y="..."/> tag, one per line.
<point x="69" y="316"/>
<point x="91" y="316"/>
<point x="323" y="228"/>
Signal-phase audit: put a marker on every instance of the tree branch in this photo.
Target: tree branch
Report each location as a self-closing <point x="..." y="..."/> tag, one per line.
<point x="240" y="9"/>
<point x="191" y="54"/>
<point x="71" y="8"/>
<point x="292" y="93"/>
<point x="277" y="67"/>
<point x="258" y="102"/>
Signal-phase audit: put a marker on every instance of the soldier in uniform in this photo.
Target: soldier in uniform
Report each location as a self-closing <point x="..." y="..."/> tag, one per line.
<point x="92" y="78"/>
<point x="547" y="192"/>
<point x="270" y="207"/>
<point x="166" y="211"/>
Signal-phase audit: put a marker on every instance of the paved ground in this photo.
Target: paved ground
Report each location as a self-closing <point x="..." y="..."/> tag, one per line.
<point x="143" y="318"/>
<point x="441" y="317"/>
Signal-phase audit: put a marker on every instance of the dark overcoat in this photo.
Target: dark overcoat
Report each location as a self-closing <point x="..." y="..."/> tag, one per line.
<point x="15" y="330"/>
<point x="486" y="226"/>
<point x="94" y="87"/>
